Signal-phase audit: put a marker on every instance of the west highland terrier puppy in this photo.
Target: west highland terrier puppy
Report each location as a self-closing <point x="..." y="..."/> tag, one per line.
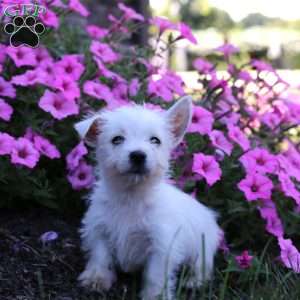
<point x="136" y="219"/>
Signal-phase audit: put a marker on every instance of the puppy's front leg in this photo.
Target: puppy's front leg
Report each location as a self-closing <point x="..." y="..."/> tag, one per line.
<point x="159" y="278"/>
<point x="99" y="273"/>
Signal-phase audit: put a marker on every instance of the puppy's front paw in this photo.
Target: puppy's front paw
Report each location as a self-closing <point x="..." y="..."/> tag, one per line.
<point x="97" y="279"/>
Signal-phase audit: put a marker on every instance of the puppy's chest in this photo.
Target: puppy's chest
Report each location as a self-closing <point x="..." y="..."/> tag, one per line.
<point x="129" y="234"/>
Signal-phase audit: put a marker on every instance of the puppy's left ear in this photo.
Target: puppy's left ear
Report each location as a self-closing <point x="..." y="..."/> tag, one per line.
<point x="88" y="129"/>
<point x="179" y="117"/>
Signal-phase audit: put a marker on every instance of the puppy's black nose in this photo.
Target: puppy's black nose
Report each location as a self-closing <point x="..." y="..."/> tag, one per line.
<point x="137" y="157"/>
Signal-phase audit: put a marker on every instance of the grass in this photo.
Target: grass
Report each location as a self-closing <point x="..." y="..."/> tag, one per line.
<point x="265" y="280"/>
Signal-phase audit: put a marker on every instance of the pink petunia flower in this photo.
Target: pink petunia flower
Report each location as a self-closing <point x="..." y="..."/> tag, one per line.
<point x="223" y="244"/>
<point x="75" y="155"/>
<point x="289" y="255"/>
<point x="133" y="87"/>
<point x="7" y="89"/>
<point x="98" y="90"/>
<point x="22" y="56"/>
<point x="227" y="49"/>
<point x="269" y="213"/>
<point x="5" y="110"/>
<point x="202" y="121"/>
<point x="163" y="24"/>
<point x="57" y="105"/>
<point x="244" y="260"/>
<point x="45" y="147"/>
<point x="67" y="86"/>
<point x="70" y="66"/>
<point x="103" y="71"/>
<point x="259" y="160"/>
<point x="96" y="32"/>
<point x="6" y="143"/>
<point x="174" y="82"/>
<point x="120" y="92"/>
<point x="237" y="136"/>
<point x="288" y="187"/>
<point x="158" y="88"/>
<point x="129" y="13"/>
<point x="46" y="73"/>
<point x="76" y="6"/>
<point x="245" y="76"/>
<point x="185" y="32"/>
<point x="30" y="77"/>
<point x="2" y="53"/>
<point x="219" y="140"/>
<point x="290" y="161"/>
<point x="256" y="186"/>
<point x="49" y="18"/>
<point x="82" y="177"/>
<point x="207" y="167"/>
<point x="203" y="66"/>
<point x="42" y="55"/>
<point x="24" y="153"/>
<point x="260" y="65"/>
<point x="104" y="52"/>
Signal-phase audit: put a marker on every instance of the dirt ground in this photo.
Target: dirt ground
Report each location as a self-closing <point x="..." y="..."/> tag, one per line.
<point x="30" y="270"/>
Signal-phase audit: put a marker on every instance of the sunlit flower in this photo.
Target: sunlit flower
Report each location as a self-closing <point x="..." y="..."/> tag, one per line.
<point x="227" y="49"/>
<point x="186" y="33"/>
<point x="162" y="24"/>
<point x="203" y="66"/>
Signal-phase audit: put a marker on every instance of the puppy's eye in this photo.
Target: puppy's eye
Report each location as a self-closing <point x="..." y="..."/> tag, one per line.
<point x="155" y="140"/>
<point x="117" y="140"/>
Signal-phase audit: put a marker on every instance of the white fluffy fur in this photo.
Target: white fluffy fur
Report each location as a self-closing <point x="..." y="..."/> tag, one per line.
<point x="141" y="221"/>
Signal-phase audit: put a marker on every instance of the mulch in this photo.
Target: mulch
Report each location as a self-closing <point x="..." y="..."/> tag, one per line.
<point x="31" y="270"/>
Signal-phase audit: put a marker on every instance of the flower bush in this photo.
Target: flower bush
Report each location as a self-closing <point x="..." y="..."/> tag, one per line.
<point x="240" y="155"/>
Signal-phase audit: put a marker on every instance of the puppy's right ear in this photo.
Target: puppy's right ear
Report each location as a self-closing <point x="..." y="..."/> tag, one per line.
<point x="89" y="129"/>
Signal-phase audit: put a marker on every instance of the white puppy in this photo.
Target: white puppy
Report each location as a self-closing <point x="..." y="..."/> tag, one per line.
<point x="135" y="218"/>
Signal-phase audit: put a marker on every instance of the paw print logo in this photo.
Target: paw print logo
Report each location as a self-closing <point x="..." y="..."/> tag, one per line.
<point x="24" y="31"/>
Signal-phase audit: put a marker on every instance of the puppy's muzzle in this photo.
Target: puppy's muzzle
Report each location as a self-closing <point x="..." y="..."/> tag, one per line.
<point x="138" y="162"/>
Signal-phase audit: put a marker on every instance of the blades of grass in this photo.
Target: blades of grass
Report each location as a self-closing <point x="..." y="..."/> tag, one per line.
<point x="40" y="284"/>
<point x="224" y="287"/>
<point x="181" y="282"/>
<point x="257" y="271"/>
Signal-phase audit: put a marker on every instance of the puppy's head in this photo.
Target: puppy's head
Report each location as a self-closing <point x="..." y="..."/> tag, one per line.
<point x="134" y="143"/>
